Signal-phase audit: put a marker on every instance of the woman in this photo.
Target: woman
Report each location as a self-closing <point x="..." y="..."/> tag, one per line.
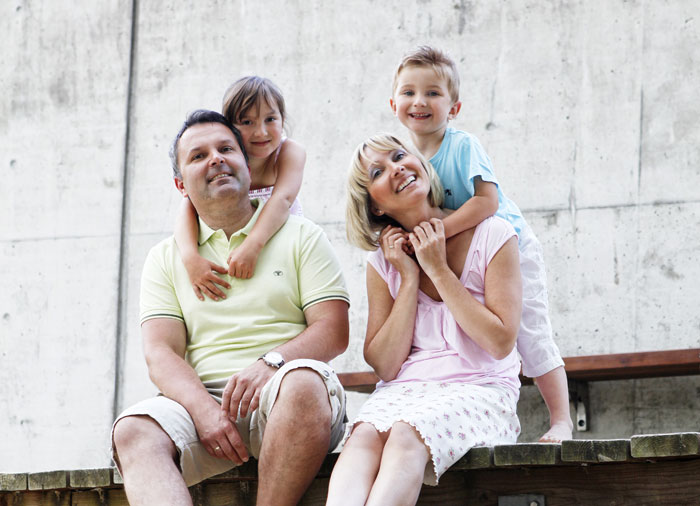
<point x="441" y="330"/>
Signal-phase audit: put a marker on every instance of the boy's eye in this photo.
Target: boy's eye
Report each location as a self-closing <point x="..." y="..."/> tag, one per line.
<point x="433" y="94"/>
<point x="408" y="93"/>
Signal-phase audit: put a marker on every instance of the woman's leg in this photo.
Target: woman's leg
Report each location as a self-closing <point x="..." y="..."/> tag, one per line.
<point x="402" y="467"/>
<point x="357" y="466"/>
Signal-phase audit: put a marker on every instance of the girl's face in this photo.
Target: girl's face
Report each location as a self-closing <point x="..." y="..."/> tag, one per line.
<point x="261" y="128"/>
<point x="397" y="181"/>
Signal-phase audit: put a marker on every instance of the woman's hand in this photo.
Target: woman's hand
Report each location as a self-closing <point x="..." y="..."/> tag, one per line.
<point x="393" y="241"/>
<point x="428" y="240"/>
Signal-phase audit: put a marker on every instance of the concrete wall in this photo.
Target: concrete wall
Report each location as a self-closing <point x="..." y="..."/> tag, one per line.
<point x="588" y="110"/>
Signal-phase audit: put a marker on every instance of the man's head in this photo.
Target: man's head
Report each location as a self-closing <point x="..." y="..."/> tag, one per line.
<point x="442" y="65"/>
<point x="208" y="159"/>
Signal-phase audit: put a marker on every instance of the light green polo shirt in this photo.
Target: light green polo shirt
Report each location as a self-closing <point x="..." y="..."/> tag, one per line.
<point x="296" y="269"/>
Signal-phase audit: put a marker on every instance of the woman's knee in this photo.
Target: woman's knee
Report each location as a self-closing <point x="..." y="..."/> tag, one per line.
<point x="407" y="439"/>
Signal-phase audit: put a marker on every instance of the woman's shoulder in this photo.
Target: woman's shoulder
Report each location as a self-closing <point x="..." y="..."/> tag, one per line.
<point x="492" y="233"/>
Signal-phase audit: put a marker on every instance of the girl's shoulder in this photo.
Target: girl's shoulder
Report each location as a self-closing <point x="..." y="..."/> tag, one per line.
<point x="289" y="147"/>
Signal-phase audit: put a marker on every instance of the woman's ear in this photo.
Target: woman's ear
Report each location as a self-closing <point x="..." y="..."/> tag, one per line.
<point x="376" y="211"/>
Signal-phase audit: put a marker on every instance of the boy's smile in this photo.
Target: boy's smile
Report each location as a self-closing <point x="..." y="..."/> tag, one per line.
<point x="422" y="101"/>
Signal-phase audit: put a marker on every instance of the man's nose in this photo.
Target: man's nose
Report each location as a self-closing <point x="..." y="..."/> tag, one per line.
<point x="216" y="158"/>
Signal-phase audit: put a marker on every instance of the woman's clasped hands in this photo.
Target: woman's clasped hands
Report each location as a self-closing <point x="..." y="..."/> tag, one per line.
<point x="426" y="242"/>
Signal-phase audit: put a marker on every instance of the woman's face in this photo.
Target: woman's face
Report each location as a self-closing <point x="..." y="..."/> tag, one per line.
<point x="397" y="181"/>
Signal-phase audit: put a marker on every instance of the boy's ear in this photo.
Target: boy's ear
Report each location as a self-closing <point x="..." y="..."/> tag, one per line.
<point x="393" y="105"/>
<point x="180" y="186"/>
<point x="454" y="110"/>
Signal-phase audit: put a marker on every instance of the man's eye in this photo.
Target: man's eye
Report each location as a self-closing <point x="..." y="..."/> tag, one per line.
<point x="197" y="156"/>
<point x="227" y="148"/>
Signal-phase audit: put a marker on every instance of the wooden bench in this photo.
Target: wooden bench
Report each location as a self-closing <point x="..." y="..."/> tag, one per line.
<point x="580" y="370"/>
<point x="644" y="470"/>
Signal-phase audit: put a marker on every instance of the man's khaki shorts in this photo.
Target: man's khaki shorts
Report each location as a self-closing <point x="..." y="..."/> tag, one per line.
<point x="196" y="463"/>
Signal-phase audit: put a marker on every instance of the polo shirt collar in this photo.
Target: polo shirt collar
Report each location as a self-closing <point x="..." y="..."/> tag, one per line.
<point x="205" y="232"/>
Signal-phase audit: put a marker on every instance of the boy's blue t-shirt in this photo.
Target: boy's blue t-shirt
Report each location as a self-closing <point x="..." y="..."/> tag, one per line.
<point x="459" y="160"/>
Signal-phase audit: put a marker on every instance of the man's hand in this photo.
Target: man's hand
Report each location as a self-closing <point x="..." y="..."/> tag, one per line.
<point x="243" y="389"/>
<point x="219" y="436"/>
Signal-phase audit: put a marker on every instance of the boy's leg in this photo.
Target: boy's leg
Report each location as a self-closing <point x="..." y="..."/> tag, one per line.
<point x="555" y="392"/>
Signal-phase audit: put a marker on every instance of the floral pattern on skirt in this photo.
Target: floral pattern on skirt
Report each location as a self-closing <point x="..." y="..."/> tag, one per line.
<point x="450" y="417"/>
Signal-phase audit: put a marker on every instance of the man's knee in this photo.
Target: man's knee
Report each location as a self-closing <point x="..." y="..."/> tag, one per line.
<point x="304" y="392"/>
<point x="134" y="435"/>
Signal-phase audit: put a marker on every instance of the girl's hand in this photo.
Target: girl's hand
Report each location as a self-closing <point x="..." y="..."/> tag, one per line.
<point x="242" y="260"/>
<point x="393" y="241"/>
<point x="428" y="240"/>
<point x="204" y="281"/>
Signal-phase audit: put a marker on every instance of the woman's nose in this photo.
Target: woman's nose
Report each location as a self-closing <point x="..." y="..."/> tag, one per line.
<point x="398" y="169"/>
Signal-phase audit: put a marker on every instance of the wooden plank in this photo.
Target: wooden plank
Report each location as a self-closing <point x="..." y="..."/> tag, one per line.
<point x="650" y="364"/>
<point x="90" y="478"/>
<point x="36" y="498"/>
<point x="638" y="483"/>
<point x="11" y="482"/>
<point x="476" y="458"/>
<point x="47" y="480"/>
<point x="665" y="445"/>
<point x="647" y="364"/>
<point x="117" y="477"/>
<point x="527" y="454"/>
<point x="587" y="450"/>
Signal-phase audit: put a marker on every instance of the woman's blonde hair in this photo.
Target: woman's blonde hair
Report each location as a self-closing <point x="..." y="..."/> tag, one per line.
<point x="363" y="226"/>
<point x="249" y="92"/>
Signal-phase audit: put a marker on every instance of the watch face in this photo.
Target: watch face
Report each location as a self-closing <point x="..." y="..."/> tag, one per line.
<point x="274" y="359"/>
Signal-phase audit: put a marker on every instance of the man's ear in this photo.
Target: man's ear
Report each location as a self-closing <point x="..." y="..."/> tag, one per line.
<point x="393" y="105"/>
<point x="454" y="110"/>
<point x="180" y="186"/>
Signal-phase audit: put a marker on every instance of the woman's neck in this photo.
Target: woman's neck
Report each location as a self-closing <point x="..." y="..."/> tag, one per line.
<point x="415" y="216"/>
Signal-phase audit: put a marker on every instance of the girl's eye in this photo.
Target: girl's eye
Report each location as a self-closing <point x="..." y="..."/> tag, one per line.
<point x="270" y="119"/>
<point x="246" y="122"/>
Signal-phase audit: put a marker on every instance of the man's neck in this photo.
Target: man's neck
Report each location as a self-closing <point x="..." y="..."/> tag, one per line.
<point x="231" y="218"/>
<point x="428" y="144"/>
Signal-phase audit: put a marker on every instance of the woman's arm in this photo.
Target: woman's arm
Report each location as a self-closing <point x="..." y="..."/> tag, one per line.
<point x="492" y="325"/>
<point x="290" y="171"/>
<point x="390" y="322"/>
<point x="199" y="269"/>
<point x="483" y="204"/>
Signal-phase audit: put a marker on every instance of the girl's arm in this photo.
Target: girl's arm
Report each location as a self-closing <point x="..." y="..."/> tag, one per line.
<point x="492" y="325"/>
<point x="483" y="204"/>
<point x="290" y="171"/>
<point x="199" y="269"/>
<point x="390" y="322"/>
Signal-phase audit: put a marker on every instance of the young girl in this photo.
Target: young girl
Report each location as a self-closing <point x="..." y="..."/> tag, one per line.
<point x="256" y="107"/>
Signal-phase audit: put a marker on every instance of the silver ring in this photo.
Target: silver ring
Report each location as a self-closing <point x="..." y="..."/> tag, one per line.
<point x="391" y="246"/>
<point x="218" y="448"/>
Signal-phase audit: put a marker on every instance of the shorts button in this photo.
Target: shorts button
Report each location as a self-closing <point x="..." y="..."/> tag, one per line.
<point x="326" y="374"/>
<point x="332" y="392"/>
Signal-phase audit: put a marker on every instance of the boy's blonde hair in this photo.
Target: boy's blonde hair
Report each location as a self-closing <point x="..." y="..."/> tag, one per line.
<point x="443" y="65"/>
<point x="248" y="92"/>
<point x="363" y="226"/>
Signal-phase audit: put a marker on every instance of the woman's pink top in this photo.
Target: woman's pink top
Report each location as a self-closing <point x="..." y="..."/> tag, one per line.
<point x="441" y="351"/>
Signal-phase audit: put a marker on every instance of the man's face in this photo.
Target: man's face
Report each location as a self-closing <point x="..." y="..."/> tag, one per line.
<point x="211" y="163"/>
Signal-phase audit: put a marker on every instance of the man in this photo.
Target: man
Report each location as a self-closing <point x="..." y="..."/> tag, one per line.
<point x="262" y="349"/>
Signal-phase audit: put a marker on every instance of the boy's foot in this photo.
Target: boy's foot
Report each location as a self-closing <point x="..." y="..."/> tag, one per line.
<point x="557" y="433"/>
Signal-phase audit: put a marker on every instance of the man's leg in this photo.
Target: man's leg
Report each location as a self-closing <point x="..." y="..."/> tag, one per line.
<point x="296" y="438"/>
<point x="147" y="458"/>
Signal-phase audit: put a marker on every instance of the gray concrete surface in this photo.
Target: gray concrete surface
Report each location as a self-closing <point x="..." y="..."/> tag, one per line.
<point x="588" y="110"/>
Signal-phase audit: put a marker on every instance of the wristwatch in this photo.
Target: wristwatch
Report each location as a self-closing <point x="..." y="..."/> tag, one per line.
<point x="273" y="359"/>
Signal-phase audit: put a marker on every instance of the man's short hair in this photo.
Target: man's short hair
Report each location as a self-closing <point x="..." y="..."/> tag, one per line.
<point x="198" y="117"/>
<point x="443" y="65"/>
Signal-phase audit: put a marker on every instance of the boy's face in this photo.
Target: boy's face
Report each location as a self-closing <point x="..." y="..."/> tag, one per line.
<point x="422" y="101"/>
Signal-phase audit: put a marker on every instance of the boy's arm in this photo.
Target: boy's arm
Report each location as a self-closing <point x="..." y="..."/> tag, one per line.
<point x="483" y="204"/>
<point x="276" y="211"/>
<point x="199" y="269"/>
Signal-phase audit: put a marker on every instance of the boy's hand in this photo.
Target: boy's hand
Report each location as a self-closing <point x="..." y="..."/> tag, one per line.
<point x="203" y="279"/>
<point x="242" y="260"/>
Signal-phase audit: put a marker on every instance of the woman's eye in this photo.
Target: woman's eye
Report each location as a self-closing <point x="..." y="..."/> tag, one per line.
<point x="375" y="173"/>
<point x="399" y="155"/>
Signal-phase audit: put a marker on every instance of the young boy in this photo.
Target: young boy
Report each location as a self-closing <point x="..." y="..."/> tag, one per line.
<point x="425" y="97"/>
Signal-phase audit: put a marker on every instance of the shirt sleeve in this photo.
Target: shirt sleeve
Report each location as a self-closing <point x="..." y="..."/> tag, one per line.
<point x="498" y="232"/>
<point x="158" y="298"/>
<point x="476" y="161"/>
<point x="320" y="275"/>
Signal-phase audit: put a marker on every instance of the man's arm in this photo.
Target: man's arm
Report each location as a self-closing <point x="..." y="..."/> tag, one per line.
<point x="325" y="337"/>
<point x="164" y="341"/>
